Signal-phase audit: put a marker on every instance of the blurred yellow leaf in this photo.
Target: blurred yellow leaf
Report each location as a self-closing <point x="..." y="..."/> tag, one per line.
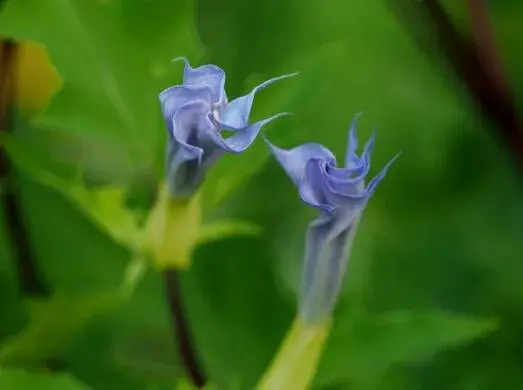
<point x="37" y="80"/>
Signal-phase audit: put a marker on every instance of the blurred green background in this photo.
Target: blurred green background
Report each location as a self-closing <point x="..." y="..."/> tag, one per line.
<point x="433" y="297"/>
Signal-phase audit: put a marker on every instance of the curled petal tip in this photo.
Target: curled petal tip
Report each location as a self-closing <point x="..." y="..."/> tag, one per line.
<point x="397" y="155"/>
<point x="283" y="114"/>
<point x="353" y="140"/>
<point x="375" y="181"/>
<point x="370" y="143"/>
<point x="267" y="142"/>
<point x="184" y="59"/>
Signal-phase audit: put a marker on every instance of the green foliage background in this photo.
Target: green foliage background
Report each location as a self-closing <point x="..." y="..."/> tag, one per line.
<point x="433" y="298"/>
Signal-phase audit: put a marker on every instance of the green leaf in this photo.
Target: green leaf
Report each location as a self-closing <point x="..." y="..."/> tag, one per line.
<point x="53" y="326"/>
<point x="214" y="231"/>
<point x="235" y="309"/>
<point x="148" y="354"/>
<point x="18" y="379"/>
<point x="104" y="206"/>
<point x="114" y="57"/>
<point x="368" y="346"/>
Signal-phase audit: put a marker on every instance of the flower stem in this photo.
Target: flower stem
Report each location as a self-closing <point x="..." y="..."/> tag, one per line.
<point x="181" y="329"/>
<point x="475" y="61"/>
<point x="29" y="280"/>
<point x="295" y="364"/>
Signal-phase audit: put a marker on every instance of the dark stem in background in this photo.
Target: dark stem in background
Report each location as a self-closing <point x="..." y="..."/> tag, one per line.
<point x="186" y="349"/>
<point x="485" y="41"/>
<point x="29" y="282"/>
<point x="475" y="62"/>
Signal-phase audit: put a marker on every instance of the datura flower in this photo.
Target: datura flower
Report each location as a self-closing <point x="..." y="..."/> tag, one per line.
<point x="196" y="113"/>
<point x="340" y="194"/>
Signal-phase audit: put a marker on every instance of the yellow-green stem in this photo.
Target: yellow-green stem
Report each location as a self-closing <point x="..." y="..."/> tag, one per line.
<point x="294" y="367"/>
<point x="172" y="230"/>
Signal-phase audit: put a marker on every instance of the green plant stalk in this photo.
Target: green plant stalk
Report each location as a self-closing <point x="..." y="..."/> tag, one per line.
<point x="172" y="229"/>
<point x="295" y="364"/>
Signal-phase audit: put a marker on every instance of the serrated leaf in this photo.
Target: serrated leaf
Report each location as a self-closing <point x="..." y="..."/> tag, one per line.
<point x="18" y="379"/>
<point x="373" y="344"/>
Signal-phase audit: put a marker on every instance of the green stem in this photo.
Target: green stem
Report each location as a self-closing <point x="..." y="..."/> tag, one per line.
<point x="295" y="365"/>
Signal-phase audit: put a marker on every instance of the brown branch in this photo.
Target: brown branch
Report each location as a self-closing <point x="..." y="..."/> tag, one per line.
<point x="484" y="40"/>
<point x="181" y="329"/>
<point x="29" y="281"/>
<point x="433" y="29"/>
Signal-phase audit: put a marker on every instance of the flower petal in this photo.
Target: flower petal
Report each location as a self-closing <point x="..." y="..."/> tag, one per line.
<point x="375" y="181"/>
<point x="325" y="263"/>
<point x="236" y="114"/>
<point x="173" y="98"/>
<point x="352" y="144"/>
<point x="351" y="180"/>
<point x="182" y="164"/>
<point x="338" y="259"/>
<point x="185" y="151"/>
<point x="348" y="175"/>
<point x="302" y="165"/>
<point x="311" y="299"/>
<point x="367" y="149"/>
<point x="209" y="75"/>
<point x="189" y="121"/>
<point x="242" y="138"/>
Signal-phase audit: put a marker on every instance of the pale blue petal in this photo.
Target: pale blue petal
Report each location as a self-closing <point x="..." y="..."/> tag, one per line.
<point x="313" y="190"/>
<point x="352" y="145"/>
<point x="171" y="99"/>
<point x="189" y="121"/>
<point x="184" y="151"/>
<point x="312" y="300"/>
<point x="375" y="181"/>
<point x="303" y="165"/>
<point x="242" y="138"/>
<point x="367" y="150"/>
<point x="209" y="75"/>
<point x="294" y="161"/>
<point x="336" y="264"/>
<point x="324" y="267"/>
<point x="236" y="113"/>
<point x="348" y="175"/>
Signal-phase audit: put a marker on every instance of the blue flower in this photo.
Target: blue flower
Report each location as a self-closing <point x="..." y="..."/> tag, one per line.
<point x="340" y="194"/>
<point x="195" y="114"/>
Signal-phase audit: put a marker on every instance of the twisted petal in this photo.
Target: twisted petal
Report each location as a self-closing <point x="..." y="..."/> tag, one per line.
<point x="348" y="184"/>
<point x="303" y="165"/>
<point x="242" y="138"/>
<point x="189" y="121"/>
<point x="375" y="181"/>
<point x="236" y="114"/>
<point x="351" y="180"/>
<point x="325" y="263"/>
<point x="184" y="151"/>
<point x="171" y="99"/>
<point x="311" y="299"/>
<point x="209" y="75"/>
<point x="356" y="168"/>
<point x="351" y="158"/>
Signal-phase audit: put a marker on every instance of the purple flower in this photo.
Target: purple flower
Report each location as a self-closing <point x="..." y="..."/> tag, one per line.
<point x="340" y="194"/>
<point x="195" y="114"/>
